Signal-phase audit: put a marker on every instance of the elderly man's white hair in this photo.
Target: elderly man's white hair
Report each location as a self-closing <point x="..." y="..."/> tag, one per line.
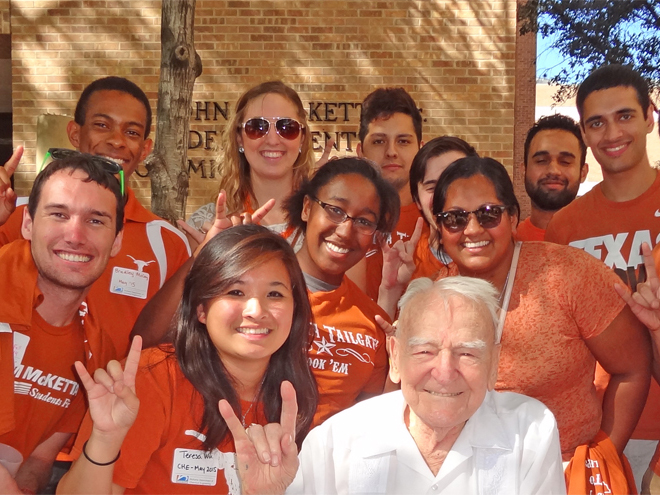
<point x="480" y="292"/>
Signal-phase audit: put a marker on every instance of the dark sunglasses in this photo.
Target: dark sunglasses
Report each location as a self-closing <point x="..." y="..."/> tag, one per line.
<point x="339" y="216"/>
<point x="488" y="216"/>
<point x="285" y="127"/>
<point x="107" y="165"/>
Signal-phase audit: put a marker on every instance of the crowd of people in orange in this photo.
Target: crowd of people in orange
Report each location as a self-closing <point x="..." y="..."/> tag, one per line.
<point x="385" y="323"/>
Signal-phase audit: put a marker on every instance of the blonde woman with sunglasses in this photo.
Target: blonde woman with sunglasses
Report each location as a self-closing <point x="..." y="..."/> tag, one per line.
<point x="266" y="153"/>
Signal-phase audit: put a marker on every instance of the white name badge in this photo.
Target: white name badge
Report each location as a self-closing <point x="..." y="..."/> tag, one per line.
<point x="194" y="467"/>
<point x="129" y="282"/>
<point x="21" y="342"/>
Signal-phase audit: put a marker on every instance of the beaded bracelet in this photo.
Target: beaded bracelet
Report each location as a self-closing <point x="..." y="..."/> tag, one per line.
<point x="99" y="463"/>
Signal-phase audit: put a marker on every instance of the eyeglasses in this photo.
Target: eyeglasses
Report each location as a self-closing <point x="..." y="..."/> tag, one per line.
<point x="488" y="216"/>
<point x="339" y="216"/>
<point x="107" y="165"/>
<point x="285" y="127"/>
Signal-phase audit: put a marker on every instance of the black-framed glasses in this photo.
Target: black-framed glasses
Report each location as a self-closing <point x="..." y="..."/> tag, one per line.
<point x="488" y="216"/>
<point x="108" y="165"/>
<point x="286" y="127"/>
<point x="339" y="216"/>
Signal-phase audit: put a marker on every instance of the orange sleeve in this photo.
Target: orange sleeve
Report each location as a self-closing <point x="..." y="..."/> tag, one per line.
<point x="376" y="382"/>
<point x="11" y="229"/>
<point x="177" y="252"/>
<point x="7" y="422"/>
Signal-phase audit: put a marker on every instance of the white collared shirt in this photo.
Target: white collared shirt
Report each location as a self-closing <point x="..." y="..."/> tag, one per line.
<point x="509" y="446"/>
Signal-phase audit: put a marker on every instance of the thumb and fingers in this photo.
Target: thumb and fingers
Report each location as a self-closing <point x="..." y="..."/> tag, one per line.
<point x="386" y="327"/>
<point x="325" y="157"/>
<point x="263" y="210"/>
<point x="651" y="269"/>
<point x="191" y="231"/>
<point x="11" y="165"/>
<point x="272" y="444"/>
<point x="416" y="235"/>
<point x="7" y="194"/>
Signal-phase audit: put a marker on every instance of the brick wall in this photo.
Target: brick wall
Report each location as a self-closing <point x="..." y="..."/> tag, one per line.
<point x="455" y="57"/>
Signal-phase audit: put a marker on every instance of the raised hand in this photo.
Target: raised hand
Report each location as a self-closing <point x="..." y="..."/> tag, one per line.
<point x="113" y="404"/>
<point x="645" y="302"/>
<point x="224" y="222"/>
<point x="7" y="194"/>
<point x="398" y="263"/>
<point x="325" y="157"/>
<point x="266" y="456"/>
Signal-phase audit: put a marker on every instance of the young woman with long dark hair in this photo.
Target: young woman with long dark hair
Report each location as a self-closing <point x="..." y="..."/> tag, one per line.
<point x="240" y="335"/>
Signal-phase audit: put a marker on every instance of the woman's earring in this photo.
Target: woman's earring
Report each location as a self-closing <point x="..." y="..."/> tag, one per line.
<point x="241" y="149"/>
<point x="300" y="150"/>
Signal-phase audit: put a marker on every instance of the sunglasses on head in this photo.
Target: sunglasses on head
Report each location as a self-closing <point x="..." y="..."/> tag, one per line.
<point x="488" y="216"/>
<point x="286" y="128"/>
<point x="107" y="165"/>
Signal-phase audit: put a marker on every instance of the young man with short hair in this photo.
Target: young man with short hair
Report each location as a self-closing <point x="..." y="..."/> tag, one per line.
<point x="113" y="119"/>
<point x="390" y="135"/>
<point x="555" y="166"/>
<point x="72" y="227"/>
<point x="613" y="219"/>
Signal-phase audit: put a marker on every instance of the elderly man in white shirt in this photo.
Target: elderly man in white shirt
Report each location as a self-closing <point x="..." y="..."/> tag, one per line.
<point x="446" y="431"/>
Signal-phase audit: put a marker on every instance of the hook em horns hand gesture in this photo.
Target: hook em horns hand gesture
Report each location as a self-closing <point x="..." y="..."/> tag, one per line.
<point x="224" y="222"/>
<point x="7" y="195"/>
<point x="645" y="302"/>
<point x="113" y="404"/>
<point x="266" y="456"/>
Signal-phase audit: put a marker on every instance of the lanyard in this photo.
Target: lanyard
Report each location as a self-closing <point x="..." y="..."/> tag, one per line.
<point x="510" y="279"/>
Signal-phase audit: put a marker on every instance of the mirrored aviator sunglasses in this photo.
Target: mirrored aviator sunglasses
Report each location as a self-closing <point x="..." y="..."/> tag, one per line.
<point x="286" y="128"/>
<point x="488" y="216"/>
<point x="108" y="166"/>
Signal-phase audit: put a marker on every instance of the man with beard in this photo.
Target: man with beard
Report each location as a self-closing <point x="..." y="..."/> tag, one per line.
<point x="554" y="168"/>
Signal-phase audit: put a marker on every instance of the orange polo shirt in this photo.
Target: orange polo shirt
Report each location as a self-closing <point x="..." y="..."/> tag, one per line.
<point x="152" y="251"/>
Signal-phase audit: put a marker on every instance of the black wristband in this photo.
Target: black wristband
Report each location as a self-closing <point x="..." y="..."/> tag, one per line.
<point x="99" y="463"/>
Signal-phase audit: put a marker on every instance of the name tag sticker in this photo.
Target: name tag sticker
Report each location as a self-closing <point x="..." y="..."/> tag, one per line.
<point x="21" y="342"/>
<point x="129" y="282"/>
<point x="194" y="467"/>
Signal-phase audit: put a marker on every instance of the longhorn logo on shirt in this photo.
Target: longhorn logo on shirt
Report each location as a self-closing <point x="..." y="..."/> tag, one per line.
<point x="140" y="264"/>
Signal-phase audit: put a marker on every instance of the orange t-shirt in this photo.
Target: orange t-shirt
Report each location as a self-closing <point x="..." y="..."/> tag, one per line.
<point x="151" y="252"/>
<point x="527" y="231"/>
<point x="408" y="216"/>
<point x="427" y="264"/>
<point x="163" y="452"/>
<point x="561" y="297"/>
<point x="348" y="355"/>
<point x="613" y="232"/>
<point x="41" y="386"/>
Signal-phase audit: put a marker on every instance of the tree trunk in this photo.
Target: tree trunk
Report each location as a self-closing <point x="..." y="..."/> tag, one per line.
<point x="179" y="67"/>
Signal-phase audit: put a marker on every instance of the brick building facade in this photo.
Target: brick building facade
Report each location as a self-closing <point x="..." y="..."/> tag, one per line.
<point x="460" y="59"/>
